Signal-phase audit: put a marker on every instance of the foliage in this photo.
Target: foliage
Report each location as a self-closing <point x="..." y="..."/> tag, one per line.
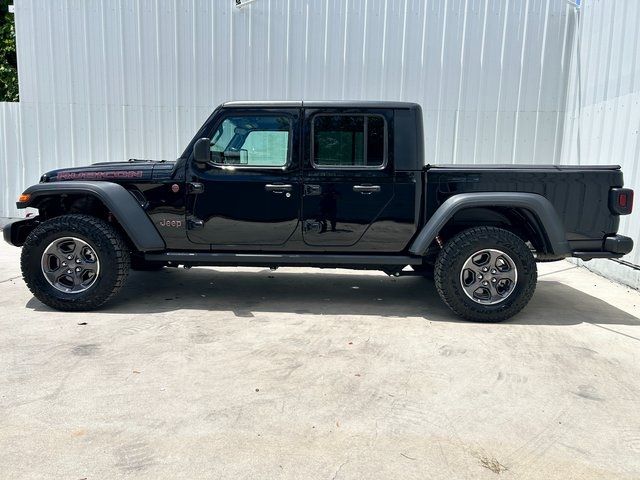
<point x="8" y="60"/>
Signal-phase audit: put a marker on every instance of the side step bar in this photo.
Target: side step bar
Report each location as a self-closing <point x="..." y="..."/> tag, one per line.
<point x="282" y="260"/>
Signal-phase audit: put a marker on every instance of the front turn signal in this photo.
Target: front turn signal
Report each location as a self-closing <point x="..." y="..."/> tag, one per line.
<point x="24" y="198"/>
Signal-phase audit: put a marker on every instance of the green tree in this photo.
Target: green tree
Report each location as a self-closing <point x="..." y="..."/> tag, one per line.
<point x="8" y="60"/>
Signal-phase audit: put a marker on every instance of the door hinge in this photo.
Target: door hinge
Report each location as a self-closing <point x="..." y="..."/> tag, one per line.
<point x="195" y="187"/>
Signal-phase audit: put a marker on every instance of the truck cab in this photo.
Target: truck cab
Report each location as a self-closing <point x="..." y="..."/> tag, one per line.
<point x="281" y="177"/>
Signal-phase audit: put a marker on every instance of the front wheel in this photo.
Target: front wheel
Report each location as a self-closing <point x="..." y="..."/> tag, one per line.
<point x="74" y="262"/>
<point x="485" y="274"/>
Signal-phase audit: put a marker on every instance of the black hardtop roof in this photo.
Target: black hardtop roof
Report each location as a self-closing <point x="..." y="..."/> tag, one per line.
<point x="321" y="104"/>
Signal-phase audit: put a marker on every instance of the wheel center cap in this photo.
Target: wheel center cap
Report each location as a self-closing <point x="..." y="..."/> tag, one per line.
<point x="488" y="276"/>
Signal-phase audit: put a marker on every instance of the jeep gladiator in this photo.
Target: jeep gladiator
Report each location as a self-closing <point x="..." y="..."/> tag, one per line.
<point x="317" y="184"/>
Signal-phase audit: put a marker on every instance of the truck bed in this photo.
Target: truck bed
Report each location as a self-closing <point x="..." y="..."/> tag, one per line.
<point x="579" y="193"/>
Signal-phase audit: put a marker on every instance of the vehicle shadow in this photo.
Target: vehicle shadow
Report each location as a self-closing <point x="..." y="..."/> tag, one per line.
<point x="246" y="292"/>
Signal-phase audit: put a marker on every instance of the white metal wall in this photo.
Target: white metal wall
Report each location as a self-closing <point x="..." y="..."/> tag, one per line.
<point x="603" y="117"/>
<point x="110" y="80"/>
<point x="12" y="168"/>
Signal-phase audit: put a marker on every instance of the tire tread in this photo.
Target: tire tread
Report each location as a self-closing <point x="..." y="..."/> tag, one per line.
<point x="455" y="248"/>
<point x="86" y="225"/>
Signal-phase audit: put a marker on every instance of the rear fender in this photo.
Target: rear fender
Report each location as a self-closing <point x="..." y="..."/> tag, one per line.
<point x="541" y="208"/>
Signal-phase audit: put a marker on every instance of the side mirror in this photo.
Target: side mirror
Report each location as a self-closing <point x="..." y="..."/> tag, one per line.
<point x="201" y="151"/>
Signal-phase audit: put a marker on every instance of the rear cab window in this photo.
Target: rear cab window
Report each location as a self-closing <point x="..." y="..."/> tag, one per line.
<point x="349" y="141"/>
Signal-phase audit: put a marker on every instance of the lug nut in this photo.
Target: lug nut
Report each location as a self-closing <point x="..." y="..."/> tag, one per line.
<point x="68" y="271"/>
<point x="493" y="272"/>
<point x="69" y="257"/>
<point x="485" y="283"/>
<point x="64" y="264"/>
<point x="78" y="260"/>
<point x="493" y="280"/>
<point x="485" y="269"/>
<point x="78" y="269"/>
<point x="480" y="276"/>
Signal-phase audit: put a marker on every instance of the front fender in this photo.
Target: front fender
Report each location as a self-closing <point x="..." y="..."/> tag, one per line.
<point x="538" y="205"/>
<point x="124" y="207"/>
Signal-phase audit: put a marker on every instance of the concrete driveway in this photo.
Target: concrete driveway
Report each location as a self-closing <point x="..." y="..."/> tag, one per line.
<point x="223" y="373"/>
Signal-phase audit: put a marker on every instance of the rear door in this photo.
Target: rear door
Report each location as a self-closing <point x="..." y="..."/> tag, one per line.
<point x="348" y="176"/>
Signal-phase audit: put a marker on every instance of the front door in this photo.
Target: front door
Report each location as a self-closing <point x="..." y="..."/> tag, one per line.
<point x="348" y="180"/>
<point x="251" y="190"/>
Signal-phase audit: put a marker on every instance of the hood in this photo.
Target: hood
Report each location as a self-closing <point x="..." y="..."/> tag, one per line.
<point x="119" y="172"/>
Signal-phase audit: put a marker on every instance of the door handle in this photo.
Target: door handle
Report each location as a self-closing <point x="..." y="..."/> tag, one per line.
<point x="366" y="189"/>
<point x="278" y="187"/>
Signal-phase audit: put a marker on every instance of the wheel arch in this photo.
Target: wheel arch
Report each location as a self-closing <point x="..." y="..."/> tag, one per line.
<point x="529" y="215"/>
<point x="98" y="198"/>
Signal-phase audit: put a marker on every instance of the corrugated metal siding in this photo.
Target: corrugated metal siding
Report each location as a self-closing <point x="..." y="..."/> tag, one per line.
<point x="603" y="124"/>
<point x="106" y="81"/>
<point x="12" y="166"/>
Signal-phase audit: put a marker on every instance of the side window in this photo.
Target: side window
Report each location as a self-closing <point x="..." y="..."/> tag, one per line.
<point x="349" y="141"/>
<point x="252" y="141"/>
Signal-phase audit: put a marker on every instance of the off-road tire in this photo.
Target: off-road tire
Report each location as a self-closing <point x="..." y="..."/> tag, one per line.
<point x="455" y="253"/>
<point x="106" y="241"/>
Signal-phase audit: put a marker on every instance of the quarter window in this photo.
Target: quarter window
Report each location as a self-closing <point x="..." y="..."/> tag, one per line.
<point x="349" y="141"/>
<point x="253" y="141"/>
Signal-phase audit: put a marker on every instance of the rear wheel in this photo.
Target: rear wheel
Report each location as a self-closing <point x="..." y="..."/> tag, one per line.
<point x="485" y="274"/>
<point x="74" y="262"/>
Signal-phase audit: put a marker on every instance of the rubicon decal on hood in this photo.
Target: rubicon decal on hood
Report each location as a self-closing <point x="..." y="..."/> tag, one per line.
<point x="99" y="175"/>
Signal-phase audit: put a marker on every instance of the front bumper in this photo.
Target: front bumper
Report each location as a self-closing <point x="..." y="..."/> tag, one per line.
<point x="6" y="232"/>
<point x="16" y="231"/>
<point x="614" y="246"/>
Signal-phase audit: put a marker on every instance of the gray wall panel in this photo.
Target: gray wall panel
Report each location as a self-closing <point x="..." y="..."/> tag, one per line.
<point x="106" y="81"/>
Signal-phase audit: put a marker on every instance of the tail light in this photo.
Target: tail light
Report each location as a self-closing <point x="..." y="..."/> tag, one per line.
<point x="621" y="201"/>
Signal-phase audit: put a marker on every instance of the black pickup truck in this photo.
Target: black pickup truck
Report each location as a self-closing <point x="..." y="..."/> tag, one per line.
<point x="317" y="184"/>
